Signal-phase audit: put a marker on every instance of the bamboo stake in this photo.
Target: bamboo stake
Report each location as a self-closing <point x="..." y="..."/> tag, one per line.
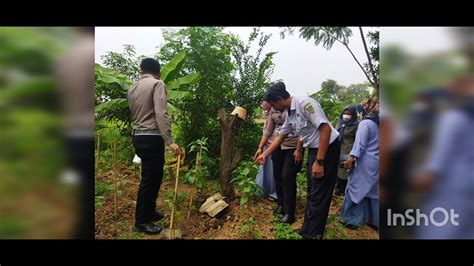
<point x="97" y="154"/>
<point x="174" y="197"/>
<point x="115" y="174"/>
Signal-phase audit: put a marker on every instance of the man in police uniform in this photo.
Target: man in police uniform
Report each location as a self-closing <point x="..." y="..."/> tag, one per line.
<point x="147" y="100"/>
<point x="310" y="123"/>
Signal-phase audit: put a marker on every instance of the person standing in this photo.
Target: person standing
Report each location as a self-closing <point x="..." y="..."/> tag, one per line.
<point x="147" y="100"/>
<point x="347" y="128"/>
<point x="287" y="162"/>
<point x="308" y="120"/>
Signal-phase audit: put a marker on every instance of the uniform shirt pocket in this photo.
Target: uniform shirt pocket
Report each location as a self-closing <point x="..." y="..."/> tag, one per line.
<point x="301" y="123"/>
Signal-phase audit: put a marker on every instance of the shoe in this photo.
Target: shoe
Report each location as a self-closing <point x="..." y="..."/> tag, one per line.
<point x="278" y="210"/>
<point x="349" y="226"/>
<point x="147" y="228"/>
<point x="271" y="199"/>
<point x="287" y="219"/>
<point x="156" y="217"/>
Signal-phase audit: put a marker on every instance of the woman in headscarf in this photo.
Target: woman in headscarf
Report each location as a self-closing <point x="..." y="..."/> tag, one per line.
<point x="361" y="202"/>
<point x="265" y="172"/>
<point x="347" y="127"/>
<point x="446" y="180"/>
<point x="287" y="162"/>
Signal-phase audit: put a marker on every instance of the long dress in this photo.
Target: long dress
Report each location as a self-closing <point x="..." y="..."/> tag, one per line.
<point x="451" y="160"/>
<point x="361" y="203"/>
<point x="264" y="176"/>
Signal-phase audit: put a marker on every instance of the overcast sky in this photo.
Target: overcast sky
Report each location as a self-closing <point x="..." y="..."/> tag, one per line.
<point x="302" y="65"/>
<point x="419" y="40"/>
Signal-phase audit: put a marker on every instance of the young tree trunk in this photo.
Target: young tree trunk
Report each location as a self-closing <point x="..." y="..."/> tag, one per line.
<point x="375" y="79"/>
<point x="229" y="158"/>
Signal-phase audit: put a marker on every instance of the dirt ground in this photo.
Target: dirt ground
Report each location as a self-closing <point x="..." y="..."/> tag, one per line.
<point x="229" y="224"/>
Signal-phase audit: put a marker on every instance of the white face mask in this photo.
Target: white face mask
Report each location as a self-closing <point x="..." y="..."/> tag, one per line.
<point x="346" y="117"/>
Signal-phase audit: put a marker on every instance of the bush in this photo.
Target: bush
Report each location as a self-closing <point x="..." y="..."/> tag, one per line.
<point x="245" y="181"/>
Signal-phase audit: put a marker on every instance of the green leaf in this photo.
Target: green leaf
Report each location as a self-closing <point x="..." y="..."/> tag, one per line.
<point x="102" y="77"/>
<point x="172" y="109"/>
<point x="330" y="234"/>
<point x="257" y="234"/>
<point x="186" y="80"/>
<point x="245" y="229"/>
<point x="172" y="66"/>
<point x="177" y="95"/>
<point x="243" y="201"/>
<point x="331" y="219"/>
<point x="33" y="87"/>
<point x="112" y="78"/>
<point x="111" y="105"/>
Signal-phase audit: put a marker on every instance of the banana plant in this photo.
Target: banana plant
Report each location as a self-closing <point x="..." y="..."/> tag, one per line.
<point x="117" y="86"/>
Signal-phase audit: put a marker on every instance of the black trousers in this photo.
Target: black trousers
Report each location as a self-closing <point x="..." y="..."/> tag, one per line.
<point x="80" y="154"/>
<point x="151" y="150"/>
<point x="284" y="171"/>
<point x="341" y="185"/>
<point x="320" y="192"/>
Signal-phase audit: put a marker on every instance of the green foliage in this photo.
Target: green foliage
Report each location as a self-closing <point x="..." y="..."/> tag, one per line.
<point x="112" y="105"/>
<point x="231" y="76"/>
<point x="37" y="92"/>
<point x="330" y="104"/>
<point x="373" y="46"/>
<point x="326" y="36"/>
<point x="32" y="152"/>
<point x="29" y="103"/>
<point x="301" y="184"/>
<point x="112" y="84"/>
<point x="26" y="157"/>
<point x="285" y="231"/>
<point x="128" y="234"/>
<point x="102" y="189"/>
<point x="354" y="94"/>
<point x="197" y="145"/>
<point x="334" y="97"/>
<point x="334" y="229"/>
<point x="126" y="63"/>
<point x="179" y="203"/>
<point x="32" y="51"/>
<point x="244" y="181"/>
<point x="110" y="132"/>
<point x="13" y="227"/>
<point x="404" y="74"/>
<point x="198" y="178"/>
<point x="250" y="228"/>
<point x="110" y="93"/>
<point x="171" y="70"/>
<point x="131" y="235"/>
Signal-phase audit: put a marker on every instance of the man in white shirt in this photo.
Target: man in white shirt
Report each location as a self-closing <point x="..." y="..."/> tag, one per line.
<point x="308" y="120"/>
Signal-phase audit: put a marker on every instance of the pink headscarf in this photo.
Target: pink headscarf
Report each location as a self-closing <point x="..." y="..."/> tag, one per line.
<point x="266" y="106"/>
